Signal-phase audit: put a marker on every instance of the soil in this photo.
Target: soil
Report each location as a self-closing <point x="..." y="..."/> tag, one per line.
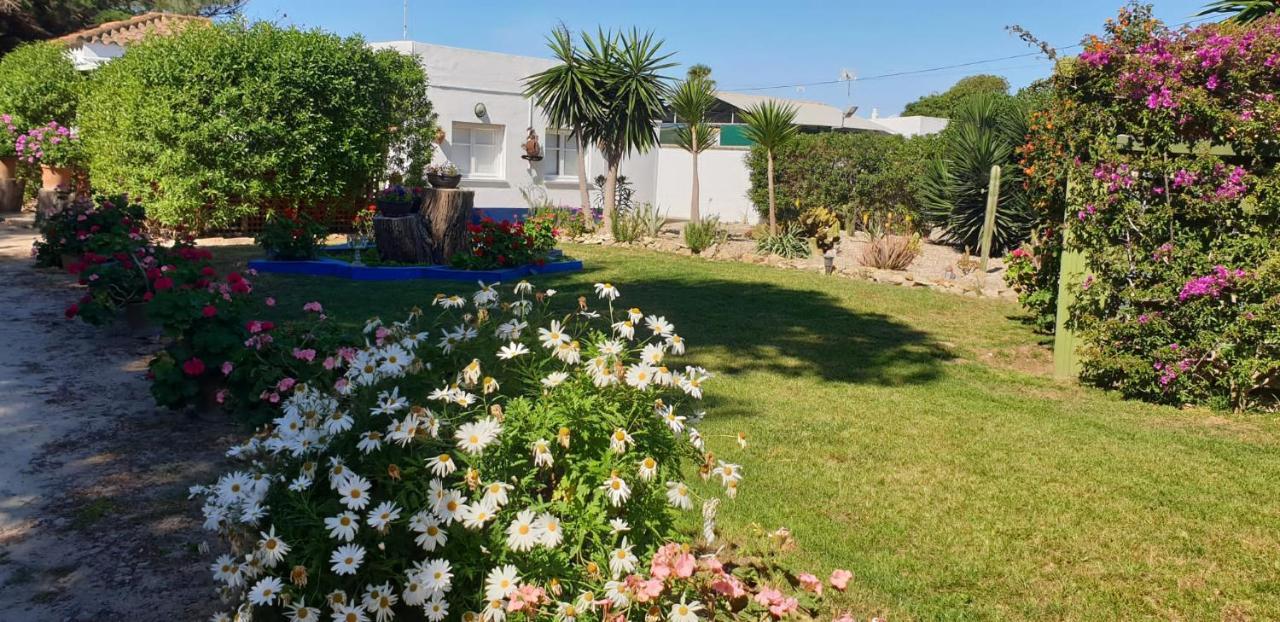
<point x="95" y="523"/>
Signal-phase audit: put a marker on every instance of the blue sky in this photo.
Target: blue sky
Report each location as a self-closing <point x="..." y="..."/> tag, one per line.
<point x="752" y="43"/>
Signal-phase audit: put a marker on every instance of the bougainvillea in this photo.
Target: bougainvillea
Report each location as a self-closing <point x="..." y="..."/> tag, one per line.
<point x="1167" y="140"/>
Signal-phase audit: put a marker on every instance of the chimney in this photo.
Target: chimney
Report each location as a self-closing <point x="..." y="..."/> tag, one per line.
<point x="875" y="113"/>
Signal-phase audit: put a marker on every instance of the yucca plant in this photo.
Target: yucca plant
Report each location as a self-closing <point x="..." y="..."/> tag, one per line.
<point x="789" y="244"/>
<point x="691" y="102"/>
<point x="1242" y="11"/>
<point x="771" y="125"/>
<point x="953" y="191"/>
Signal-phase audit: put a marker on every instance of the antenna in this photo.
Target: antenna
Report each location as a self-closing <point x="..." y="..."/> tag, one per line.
<point x="847" y="76"/>
<point x="404" y="29"/>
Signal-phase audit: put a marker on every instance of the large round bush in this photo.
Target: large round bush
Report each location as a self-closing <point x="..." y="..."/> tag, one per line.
<point x="499" y="457"/>
<point x="39" y="84"/>
<point x="208" y="125"/>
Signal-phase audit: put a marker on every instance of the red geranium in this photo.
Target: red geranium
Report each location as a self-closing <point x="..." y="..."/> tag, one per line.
<point x="209" y="311"/>
<point x="193" y="367"/>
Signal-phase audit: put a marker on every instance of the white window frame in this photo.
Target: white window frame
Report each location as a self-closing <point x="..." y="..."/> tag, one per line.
<point x="499" y="142"/>
<point x="555" y="156"/>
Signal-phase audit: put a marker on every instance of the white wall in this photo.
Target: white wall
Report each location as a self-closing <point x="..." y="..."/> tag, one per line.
<point x="723" y="182"/>
<point x="459" y="79"/>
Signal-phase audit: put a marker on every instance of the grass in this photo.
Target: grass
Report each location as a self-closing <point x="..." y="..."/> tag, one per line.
<point x="915" y="438"/>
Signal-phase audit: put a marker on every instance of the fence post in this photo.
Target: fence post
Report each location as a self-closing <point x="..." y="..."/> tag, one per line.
<point x="1066" y="360"/>
<point x="989" y="220"/>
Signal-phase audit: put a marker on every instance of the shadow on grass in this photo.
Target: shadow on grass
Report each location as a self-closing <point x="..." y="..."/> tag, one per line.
<point x="764" y="327"/>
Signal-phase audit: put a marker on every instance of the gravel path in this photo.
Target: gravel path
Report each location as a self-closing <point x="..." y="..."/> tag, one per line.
<point x="94" y="520"/>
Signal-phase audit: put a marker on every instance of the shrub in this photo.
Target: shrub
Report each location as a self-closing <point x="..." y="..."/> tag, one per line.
<point x="8" y="136"/>
<point x="821" y="226"/>
<point x="503" y="244"/>
<point x="51" y="145"/>
<point x="39" y="84"/>
<point x="953" y="190"/>
<point x="701" y="235"/>
<point x="1179" y="235"/>
<point x="790" y="243"/>
<point x="637" y="224"/>
<point x="846" y="172"/>
<point x="891" y="252"/>
<point x="207" y="125"/>
<point x="104" y="227"/>
<point x="496" y="469"/>
<point x="291" y="234"/>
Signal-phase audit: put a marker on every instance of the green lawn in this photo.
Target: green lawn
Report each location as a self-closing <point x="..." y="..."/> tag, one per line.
<point x="914" y="438"/>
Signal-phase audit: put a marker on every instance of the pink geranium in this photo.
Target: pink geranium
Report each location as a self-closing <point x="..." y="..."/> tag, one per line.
<point x="810" y="583"/>
<point x="306" y="354"/>
<point x="840" y="578"/>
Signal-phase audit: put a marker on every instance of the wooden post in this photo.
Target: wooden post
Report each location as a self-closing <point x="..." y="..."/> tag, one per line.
<point x="1066" y="359"/>
<point x="989" y="220"/>
<point x="447" y="211"/>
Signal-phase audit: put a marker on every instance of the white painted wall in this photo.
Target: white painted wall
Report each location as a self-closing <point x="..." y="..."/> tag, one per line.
<point x="913" y="126"/>
<point x="723" y="182"/>
<point x="460" y="78"/>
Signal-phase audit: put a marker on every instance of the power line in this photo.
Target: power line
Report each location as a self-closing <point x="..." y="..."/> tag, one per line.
<point x="912" y="72"/>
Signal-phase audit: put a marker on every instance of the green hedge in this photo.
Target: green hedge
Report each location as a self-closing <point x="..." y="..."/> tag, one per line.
<point x="208" y="125"/>
<point x="847" y="172"/>
<point x="38" y="84"/>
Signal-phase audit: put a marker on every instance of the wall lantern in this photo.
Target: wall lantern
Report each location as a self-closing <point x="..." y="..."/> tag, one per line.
<point x="481" y="111"/>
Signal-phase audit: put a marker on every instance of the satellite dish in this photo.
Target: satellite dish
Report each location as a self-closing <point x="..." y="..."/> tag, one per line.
<point x="847" y="75"/>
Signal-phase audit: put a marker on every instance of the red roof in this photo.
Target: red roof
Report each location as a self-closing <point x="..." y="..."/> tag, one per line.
<point x="134" y="29"/>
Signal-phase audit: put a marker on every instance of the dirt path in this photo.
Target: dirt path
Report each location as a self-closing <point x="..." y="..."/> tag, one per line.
<point x="94" y="519"/>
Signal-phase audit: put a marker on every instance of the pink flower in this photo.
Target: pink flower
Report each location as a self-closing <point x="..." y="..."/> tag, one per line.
<point x="227" y="367"/>
<point x="767" y="596"/>
<point x="381" y="333"/>
<point x="844" y="617"/>
<point x="221" y="395"/>
<point x="330" y="363"/>
<point x="810" y="583"/>
<point x="340" y="385"/>
<point x="730" y="587"/>
<point x="840" y="578"/>
<point x="285" y="384"/>
<point x="784" y="607"/>
<point x="313" y="307"/>
<point x="193" y="367"/>
<point x="307" y="355"/>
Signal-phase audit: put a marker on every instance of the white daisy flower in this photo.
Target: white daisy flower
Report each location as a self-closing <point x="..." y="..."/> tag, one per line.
<point x="728" y="472"/>
<point x="648" y="468"/>
<point x="495" y="494"/>
<point x="437" y="608"/>
<point x="542" y="457"/>
<point x="617" y="525"/>
<point x="414" y="593"/>
<point x="430" y="535"/>
<point x="452" y="508"/>
<point x="299" y="612"/>
<point x="443" y="465"/>
<point x="380" y="518"/>
<point x="475" y="515"/>
<point x="652" y="354"/>
<point x="554" y="379"/>
<point x="348" y="613"/>
<point x="437" y="576"/>
<point x="343" y="526"/>
<point x="501" y="582"/>
<point x="684" y="612"/>
<point x="616" y="489"/>
<point x="549" y="528"/>
<point x="227" y="570"/>
<point x="266" y="591"/>
<point x="512" y="350"/>
<point x="678" y="495"/>
<point x="354" y="491"/>
<point x="622" y="560"/>
<point x="523" y="287"/>
<point x="510" y="329"/>
<point x="659" y="325"/>
<point x="273" y="548"/>
<point x="553" y="336"/>
<point x="474" y="436"/>
<point x="607" y="291"/>
<point x="640" y="376"/>
<point x="347" y="559"/>
<point x="620" y="440"/>
<point x="675" y="343"/>
<point x="522" y="535"/>
<point x="471" y="373"/>
<point x="570" y="353"/>
<point x="625" y="329"/>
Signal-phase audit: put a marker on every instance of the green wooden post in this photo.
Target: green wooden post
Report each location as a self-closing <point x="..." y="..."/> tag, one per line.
<point x="989" y="220"/>
<point x="1066" y="358"/>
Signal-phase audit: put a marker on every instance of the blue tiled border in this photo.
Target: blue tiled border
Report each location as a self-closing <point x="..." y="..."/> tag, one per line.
<point x="344" y="270"/>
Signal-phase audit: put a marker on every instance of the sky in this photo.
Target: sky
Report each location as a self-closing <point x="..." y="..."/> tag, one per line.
<point x="754" y="43"/>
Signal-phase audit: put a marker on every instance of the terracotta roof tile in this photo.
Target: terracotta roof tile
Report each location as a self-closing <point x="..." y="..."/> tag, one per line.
<point x="132" y="30"/>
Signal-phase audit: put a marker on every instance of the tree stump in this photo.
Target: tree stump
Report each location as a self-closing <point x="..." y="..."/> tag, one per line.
<point x="11" y="191"/>
<point x="447" y="211"/>
<point x="404" y="239"/>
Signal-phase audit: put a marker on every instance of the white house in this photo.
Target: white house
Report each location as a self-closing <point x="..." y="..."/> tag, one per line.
<point x="486" y="118"/>
<point x="98" y="45"/>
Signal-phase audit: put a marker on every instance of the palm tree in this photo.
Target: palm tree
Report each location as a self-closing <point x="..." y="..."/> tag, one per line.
<point x="692" y="100"/>
<point x="625" y="68"/>
<point x="567" y="94"/>
<point x="1243" y="11"/>
<point x="770" y="125"/>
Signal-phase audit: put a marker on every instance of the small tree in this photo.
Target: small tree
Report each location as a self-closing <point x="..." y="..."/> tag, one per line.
<point x="771" y="125"/>
<point x="39" y="84"/>
<point x="567" y="94"/>
<point x="625" y="68"/>
<point x="692" y="100"/>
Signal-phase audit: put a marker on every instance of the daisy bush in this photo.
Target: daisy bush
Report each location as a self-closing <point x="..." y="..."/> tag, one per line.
<point x="490" y="457"/>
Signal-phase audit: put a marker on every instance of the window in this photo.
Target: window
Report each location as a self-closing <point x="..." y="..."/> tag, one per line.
<point x="477" y="149"/>
<point x="561" y="155"/>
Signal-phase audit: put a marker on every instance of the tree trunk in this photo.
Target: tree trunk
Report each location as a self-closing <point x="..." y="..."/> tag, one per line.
<point x="446" y="212"/>
<point x="773" y="212"/>
<point x="610" y="197"/>
<point x="402" y="238"/>
<point x="695" y="213"/>
<point x="583" y="194"/>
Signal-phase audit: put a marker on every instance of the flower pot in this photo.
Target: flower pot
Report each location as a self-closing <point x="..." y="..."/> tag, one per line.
<point x="394" y="210"/>
<point x="9" y="167"/>
<point x="52" y="178"/>
<point x="444" y="181"/>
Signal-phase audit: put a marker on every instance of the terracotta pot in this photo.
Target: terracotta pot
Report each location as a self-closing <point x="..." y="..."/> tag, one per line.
<point x="52" y="178"/>
<point x="444" y="181"/>
<point x="9" y="167"/>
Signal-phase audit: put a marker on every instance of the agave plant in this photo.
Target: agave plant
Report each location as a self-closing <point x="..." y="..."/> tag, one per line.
<point x="1243" y="11"/>
<point x="953" y="191"/>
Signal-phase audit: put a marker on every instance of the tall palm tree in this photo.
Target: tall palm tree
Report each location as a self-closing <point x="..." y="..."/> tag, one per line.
<point x="626" y="70"/>
<point x="771" y="125"/>
<point x="567" y="94"/>
<point x="691" y="102"/>
<point x="1243" y="11"/>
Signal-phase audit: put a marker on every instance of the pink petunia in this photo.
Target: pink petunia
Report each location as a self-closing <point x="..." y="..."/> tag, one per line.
<point x="810" y="583"/>
<point x="840" y="578"/>
<point x="227" y="367"/>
